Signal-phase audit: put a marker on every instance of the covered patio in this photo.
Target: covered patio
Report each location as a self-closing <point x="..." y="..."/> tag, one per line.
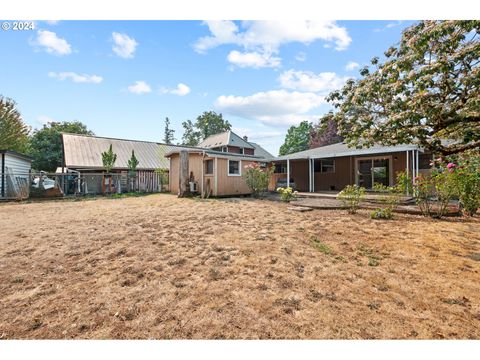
<point x="331" y="168"/>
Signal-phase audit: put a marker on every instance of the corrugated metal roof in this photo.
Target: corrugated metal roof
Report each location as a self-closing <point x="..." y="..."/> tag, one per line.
<point x="227" y="138"/>
<point x="341" y="149"/>
<point x="84" y="151"/>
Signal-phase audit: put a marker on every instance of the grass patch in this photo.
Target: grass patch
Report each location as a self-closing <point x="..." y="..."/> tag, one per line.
<point x="321" y="246"/>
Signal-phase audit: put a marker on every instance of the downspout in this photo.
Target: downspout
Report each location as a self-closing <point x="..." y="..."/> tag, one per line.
<point x="3" y="175"/>
<point x="203" y="172"/>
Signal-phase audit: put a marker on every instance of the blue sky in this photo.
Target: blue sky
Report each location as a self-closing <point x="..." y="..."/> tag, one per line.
<point x="122" y="78"/>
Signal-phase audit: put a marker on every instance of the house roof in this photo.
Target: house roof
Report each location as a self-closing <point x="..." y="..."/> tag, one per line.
<point x="226" y="138"/>
<point x="215" y="153"/>
<point x="261" y="152"/>
<point x="342" y="149"/>
<point x="17" y="154"/>
<point x="85" y="152"/>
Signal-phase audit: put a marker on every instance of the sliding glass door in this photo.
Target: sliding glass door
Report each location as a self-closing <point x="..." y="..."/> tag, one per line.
<point x="373" y="170"/>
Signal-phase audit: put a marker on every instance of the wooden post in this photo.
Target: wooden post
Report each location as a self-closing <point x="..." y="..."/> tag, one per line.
<point x="184" y="174"/>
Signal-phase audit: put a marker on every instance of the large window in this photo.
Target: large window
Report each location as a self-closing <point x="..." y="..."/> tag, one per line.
<point x="234" y="168"/>
<point x="209" y="167"/>
<point x="424" y="161"/>
<point x="280" y="169"/>
<point x="325" y="166"/>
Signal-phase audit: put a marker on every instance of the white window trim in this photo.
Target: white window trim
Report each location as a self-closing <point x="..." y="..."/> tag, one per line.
<point x="239" y="168"/>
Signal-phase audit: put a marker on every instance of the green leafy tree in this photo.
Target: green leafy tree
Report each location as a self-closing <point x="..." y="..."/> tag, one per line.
<point x="169" y="135"/>
<point x="297" y="138"/>
<point x="13" y="131"/>
<point x="207" y="124"/>
<point x="108" y="159"/>
<point x="132" y="163"/>
<point x="426" y="89"/>
<point x="46" y="143"/>
<point x="191" y="137"/>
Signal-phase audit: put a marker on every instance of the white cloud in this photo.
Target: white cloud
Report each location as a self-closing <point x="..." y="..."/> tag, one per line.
<point x="261" y="39"/>
<point x="125" y="46"/>
<point x="180" y="90"/>
<point x="308" y="81"/>
<point x="389" y="26"/>
<point x="301" y="56"/>
<point x="52" y="22"/>
<point x="253" y="59"/>
<point x="140" y="87"/>
<point x="51" y="43"/>
<point x="254" y="135"/>
<point x="78" y="78"/>
<point x="275" y="107"/>
<point x="270" y="35"/>
<point x="352" y="65"/>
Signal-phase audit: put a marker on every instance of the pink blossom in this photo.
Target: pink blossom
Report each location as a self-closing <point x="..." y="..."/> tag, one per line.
<point x="451" y="166"/>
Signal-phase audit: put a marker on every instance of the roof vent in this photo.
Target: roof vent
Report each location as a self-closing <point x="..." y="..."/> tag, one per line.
<point x="245" y="138"/>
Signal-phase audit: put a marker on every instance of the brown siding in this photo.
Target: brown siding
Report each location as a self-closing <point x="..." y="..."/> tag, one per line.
<point x="249" y="151"/>
<point x="233" y="149"/>
<point x="231" y="185"/>
<point x="342" y="176"/>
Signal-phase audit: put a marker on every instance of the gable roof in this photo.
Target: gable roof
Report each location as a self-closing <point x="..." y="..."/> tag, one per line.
<point x="226" y="138"/>
<point x="261" y="152"/>
<point x="85" y="152"/>
<point x="342" y="149"/>
<point x="17" y="154"/>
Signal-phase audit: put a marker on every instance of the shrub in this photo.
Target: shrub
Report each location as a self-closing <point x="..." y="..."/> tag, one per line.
<point x="287" y="194"/>
<point x="351" y="196"/>
<point x="385" y="213"/>
<point x="467" y="178"/>
<point x="257" y="178"/>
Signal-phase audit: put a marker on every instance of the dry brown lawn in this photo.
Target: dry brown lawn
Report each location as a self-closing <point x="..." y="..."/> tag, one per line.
<point x="161" y="267"/>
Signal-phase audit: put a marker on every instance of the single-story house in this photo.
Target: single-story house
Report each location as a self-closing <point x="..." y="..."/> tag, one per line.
<point x="216" y="166"/>
<point x="335" y="166"/>
<point x="82" y="155"/>
<point x="15" y="171"/>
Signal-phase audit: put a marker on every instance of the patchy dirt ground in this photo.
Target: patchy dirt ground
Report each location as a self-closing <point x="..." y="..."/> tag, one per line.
<point x="161" y="267"/>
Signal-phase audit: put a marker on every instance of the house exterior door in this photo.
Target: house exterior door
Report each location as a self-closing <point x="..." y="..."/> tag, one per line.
<point x="373" y="170"/>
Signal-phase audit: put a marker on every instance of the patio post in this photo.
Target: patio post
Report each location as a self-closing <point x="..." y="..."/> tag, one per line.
<point x="416" y="163"/>
<point x="288" y="172"/>
<point x="310" y="175"/>
<point x="408" y="169"/>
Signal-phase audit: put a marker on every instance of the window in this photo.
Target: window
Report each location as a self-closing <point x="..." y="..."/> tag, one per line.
<point x="280" y="169"/>
<point x="424" y="161"/>
<point x="209" y="167"/>
<point x="224" y="149"/>
<point x="324" y="166"/>
<point x="240" y="151"/>
<point x="234" y="168"/>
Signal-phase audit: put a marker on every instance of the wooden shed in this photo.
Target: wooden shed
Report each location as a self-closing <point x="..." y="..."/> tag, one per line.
<point x="212" y="173"/>
<point x="15" y="171"/>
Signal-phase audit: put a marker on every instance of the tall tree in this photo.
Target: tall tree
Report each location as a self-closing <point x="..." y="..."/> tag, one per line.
<point x="207" y="124"/>
<point x="325" y="132"/>
<point x="169" y="135"/>
<point x="108" y="159"/>
<point x="211" y="123"/>
<point x="426" y="89"/>
<point x="46" y="143"/>
<point x="297" y="138"/>
<point x="13" y="131"/>
<point x="190" y="137"/>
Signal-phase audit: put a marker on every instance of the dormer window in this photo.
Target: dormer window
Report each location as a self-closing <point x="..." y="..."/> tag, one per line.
<point x="240" y="151"/>
<point x="224" y="149"/>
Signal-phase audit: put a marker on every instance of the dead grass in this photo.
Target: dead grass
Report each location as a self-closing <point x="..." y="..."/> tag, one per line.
<point x="161" y="267"/>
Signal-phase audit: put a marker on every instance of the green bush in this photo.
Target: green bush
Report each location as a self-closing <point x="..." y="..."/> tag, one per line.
<point x="385" y="213"/>
<point x="467" y="179"/>
<point x="257" y="178"/>
<point x="287" y="194"/>
<point x="351" y="196"/>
